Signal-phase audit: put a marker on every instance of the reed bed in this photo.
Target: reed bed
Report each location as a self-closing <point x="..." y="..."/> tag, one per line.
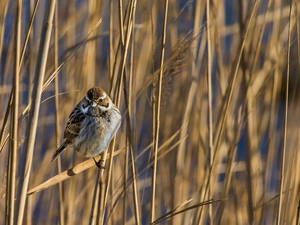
<point x="208" y="91"/>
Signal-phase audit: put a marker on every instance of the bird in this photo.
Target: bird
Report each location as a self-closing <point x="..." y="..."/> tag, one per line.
<point x="91" y="126"/>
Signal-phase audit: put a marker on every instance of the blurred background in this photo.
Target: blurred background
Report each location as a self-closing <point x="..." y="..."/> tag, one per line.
<point x="226" y="112"/>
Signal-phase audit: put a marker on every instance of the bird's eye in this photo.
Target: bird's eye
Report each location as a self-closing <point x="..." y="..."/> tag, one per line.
<point x="101" y="100"/>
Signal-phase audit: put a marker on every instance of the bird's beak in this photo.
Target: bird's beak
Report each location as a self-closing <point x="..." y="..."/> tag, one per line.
<point x="93" y="104"/>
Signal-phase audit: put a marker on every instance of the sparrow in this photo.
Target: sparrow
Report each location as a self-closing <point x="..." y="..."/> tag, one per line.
<point x="92" y="124"/>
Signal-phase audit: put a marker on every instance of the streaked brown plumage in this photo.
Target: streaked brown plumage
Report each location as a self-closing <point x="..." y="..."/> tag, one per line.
<point x="92" y="124"/>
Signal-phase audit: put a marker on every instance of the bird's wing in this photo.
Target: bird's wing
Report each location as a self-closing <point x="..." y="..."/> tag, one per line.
<point x="73" y="125"/>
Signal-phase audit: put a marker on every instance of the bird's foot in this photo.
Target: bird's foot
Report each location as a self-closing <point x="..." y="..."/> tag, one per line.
<point x="100" y="163"/>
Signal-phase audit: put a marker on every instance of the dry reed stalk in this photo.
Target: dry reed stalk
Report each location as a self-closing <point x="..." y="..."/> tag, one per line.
<point x="137" y="205"/>
<point x="3" y="14"/>
<point x="128" y="131"/>
<point x="12" y="166"/>
<point x="233" y="79"/>
<point x="182" y="153"/>
<point x="188" y="104"/>
<point x="95" y="203"/>
<point x="252" y="157"/>
<point x="29" y="31"/>
<point x="285" y="121"/>
<point x="57" y="121"/>
<point x="234" y="71"/>
<point x="230" y="169"/>
<point x="111" y="52"/>
<point x="297" y="197"/>
<point x="209" y="101"/>
<point x="157" y="114"/>
<point x="31" y="12"/>
<point x="32" y="122"/>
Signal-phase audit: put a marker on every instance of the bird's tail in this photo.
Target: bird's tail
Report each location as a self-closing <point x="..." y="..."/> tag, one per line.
<point x="58" y="151"/>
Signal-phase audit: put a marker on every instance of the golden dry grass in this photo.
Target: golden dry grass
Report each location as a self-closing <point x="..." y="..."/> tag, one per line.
<point x="210" y="130"/>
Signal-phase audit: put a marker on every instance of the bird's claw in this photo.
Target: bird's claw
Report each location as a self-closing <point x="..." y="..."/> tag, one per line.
<point x="100" y="163"/>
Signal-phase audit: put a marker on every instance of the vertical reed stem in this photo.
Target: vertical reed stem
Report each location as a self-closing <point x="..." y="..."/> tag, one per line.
<point x="209" y="94"/>
<point x="14" y="116"/>
<point x="157" y="124"/>
<point x="282" y="178"/>
<point x="57" y="116"/>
